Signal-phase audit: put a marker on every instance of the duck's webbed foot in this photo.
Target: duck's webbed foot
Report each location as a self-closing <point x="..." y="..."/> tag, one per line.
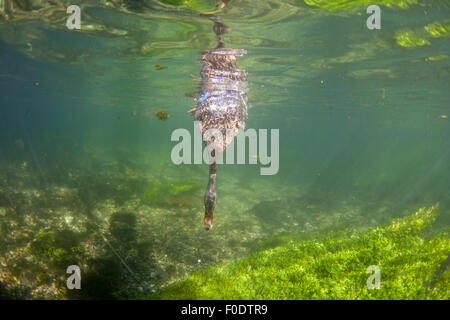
<point x="210" y="198"/>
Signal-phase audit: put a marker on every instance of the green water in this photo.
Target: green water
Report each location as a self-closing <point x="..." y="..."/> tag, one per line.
<point x="86" y="176"/>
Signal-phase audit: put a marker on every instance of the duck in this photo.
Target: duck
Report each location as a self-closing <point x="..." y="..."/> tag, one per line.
<point x="222" y="105"/>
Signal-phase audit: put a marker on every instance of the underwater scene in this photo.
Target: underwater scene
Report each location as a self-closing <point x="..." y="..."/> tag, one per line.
<point x="115" y="116"/>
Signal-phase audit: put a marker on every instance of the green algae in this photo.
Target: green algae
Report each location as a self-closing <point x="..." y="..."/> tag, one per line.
<point x="61" y="248"/>
<point x="195" y="5"/>
<point x="333" y="267"/>
<point x="437" y="58"/>
<point x="439" y="28"/>
<point x="333" y="5"/>
<point x="170" y="193"/>
<point x="410" y="39"/>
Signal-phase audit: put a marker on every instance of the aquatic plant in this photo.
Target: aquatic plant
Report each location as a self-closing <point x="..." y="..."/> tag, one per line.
<point x="332" y="267"/>
<point x="170" y="193"/>
<point x="410" y="39"/>
<point x="437" y="58"/>
<point x="61" y="248"/>
<point x="438" y="28"/>
<point x="332" y="5"/>
<point x="196" y="5"/>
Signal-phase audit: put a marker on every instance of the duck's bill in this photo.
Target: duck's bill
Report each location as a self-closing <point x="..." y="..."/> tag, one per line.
<point x="208" y="223"/>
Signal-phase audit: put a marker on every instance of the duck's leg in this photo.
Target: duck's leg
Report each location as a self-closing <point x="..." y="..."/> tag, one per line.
<point x="210" y="197"/>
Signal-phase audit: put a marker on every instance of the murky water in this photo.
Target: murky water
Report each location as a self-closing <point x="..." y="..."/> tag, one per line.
<point x="86" y="173"/>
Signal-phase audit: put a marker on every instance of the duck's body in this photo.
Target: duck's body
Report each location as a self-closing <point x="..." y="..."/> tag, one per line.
<point x="222" y="104"/>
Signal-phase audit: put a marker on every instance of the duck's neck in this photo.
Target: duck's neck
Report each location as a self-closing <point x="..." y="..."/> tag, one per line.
<point x="210" y="197"/>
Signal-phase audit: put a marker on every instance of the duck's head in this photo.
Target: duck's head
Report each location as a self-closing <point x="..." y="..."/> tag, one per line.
<point x="208" y="220"/>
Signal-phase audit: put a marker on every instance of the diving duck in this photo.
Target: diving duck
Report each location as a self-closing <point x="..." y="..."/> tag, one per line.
<point x="222" y="105"/>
